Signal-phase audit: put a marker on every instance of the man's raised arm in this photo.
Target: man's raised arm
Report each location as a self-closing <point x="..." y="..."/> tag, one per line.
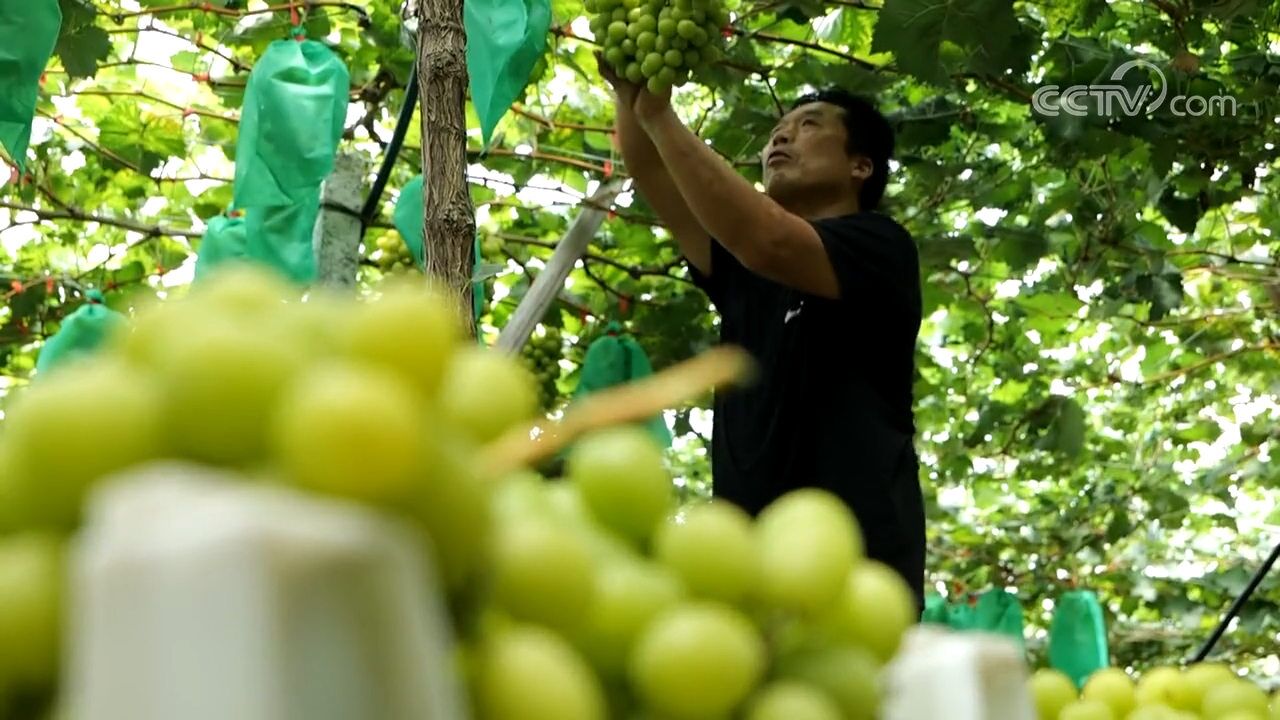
<point x="652" y="179"/>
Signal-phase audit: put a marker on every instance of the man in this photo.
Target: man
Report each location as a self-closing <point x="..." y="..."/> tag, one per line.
<point x="820" y="288"/>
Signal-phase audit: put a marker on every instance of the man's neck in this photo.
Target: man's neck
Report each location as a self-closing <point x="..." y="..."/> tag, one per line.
<point x="818" y="208"/>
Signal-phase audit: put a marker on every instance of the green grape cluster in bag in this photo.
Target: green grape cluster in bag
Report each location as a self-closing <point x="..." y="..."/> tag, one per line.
<point x="613" y="359"/>
<point x="82" y="332"/>
<point x="28" y="33"/>
<point x="295" y="104"/>
<point x="505" y="40"/>
<point x="1078" y="636"/>
<point x="223" y="241"/>
<point x="283" y="237"/>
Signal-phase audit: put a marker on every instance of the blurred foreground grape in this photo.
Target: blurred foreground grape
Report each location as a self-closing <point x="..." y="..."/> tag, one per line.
<point x="586" y="598"/>
<point x="1203" y="691"/>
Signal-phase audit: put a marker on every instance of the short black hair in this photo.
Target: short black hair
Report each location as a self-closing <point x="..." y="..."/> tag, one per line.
<point x="869" y="134"/>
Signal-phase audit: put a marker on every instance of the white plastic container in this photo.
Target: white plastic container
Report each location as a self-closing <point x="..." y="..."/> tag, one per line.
<point x="939" y="673"/>
<point x="199" y="596"/>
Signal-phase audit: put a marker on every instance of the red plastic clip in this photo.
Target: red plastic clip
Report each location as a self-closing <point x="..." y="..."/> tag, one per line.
<point x="16" y="285"/>
<point x="727" y="31"/>
<point x="624" y="305"/>
<point x="48" y="285"/>
<point x="188" y="112"/>
<point x="613" y="215"/>
<point x="608" y="168"/>
<point x="200" y="77"/>
<point x="296" y="20"/>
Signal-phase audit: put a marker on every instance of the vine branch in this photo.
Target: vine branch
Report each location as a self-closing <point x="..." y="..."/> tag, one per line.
<point x="186" y="110"/>
<point x="78" y="215"/>
<point x="636" y="272"/>
<point x="231" y="13"/>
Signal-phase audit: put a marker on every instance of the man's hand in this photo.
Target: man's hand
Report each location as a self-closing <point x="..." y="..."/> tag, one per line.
<point x="624" y="91"/>
<point x="650" y="106"/>
<point x="645" y="105"/>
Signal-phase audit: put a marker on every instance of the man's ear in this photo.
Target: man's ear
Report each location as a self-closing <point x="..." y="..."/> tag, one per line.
<point x="860" y="167"/>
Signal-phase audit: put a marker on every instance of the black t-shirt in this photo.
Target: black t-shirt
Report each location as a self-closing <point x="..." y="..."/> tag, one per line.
<point x="832" y="405"/>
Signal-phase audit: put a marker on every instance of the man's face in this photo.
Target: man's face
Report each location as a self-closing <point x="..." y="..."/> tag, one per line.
<point x="806" y="153"/>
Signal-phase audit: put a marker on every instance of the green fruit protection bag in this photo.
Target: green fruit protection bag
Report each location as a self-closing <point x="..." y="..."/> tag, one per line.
<point x="998" y="611"/>
<point x="295" y="104"/>
<point x="81" y="333"/>
<point x="994" y="611"/>
<point x="283" y="237"/>
<point x="279" y="238"/>
<point x="960" y="616"/>
<point x="935" y="609"/>
<point x="505" y="39"/>
<point x="409" y="220"/>
<point x="1078" y="636"/>
<point x="224" y="240"/>
<point x="28" y="33"/>
<point x="614" y="359"/>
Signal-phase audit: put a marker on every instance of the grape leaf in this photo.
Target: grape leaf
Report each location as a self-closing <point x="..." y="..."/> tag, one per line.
<point x="987" y="32"/>
<point x="1056" y="304"/>
<point x="185" y="61"/>
<point x="1019" y="247"/>
<point x="486" y="271"/>
<point x="1164" y="292"/>
<point x="913" y="31"/>
<point x="1182" y="212"/>
<point x="82" y="50"/>
<point x="1065" y="434"/>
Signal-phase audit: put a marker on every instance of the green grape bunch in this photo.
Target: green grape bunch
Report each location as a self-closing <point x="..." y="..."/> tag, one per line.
<point x="391" y="254"/>
<point x="659" y="43"/>
<point x="541" y="356"/>
<point x="491" y="248"/>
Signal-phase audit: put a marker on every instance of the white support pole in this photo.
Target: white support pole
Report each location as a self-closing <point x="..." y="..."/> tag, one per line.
<point x="550" y="282"/>
<point x="337" y="233"/>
